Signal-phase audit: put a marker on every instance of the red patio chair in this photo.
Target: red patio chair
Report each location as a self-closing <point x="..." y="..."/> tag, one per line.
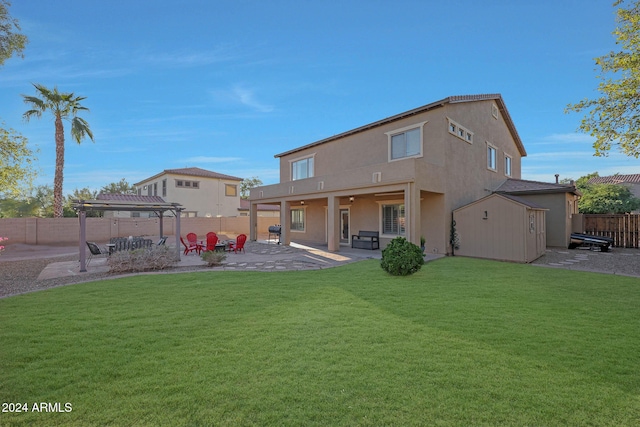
<point x="239" y="244"/>
<point x="212" y="240"/>
<point x="192" y="238"/>
<point x="189" y="247"/>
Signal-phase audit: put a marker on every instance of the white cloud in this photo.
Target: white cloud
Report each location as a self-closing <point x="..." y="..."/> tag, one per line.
<point x="239" y="94"/>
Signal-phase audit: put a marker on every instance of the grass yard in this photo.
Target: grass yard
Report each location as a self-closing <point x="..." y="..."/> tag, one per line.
<point x="463" y="342"/>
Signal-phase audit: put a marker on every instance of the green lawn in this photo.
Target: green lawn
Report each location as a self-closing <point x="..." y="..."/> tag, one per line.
<point x="463" y="343"/>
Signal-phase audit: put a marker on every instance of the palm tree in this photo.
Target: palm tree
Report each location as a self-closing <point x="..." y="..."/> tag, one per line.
<point x="63" y="106"/>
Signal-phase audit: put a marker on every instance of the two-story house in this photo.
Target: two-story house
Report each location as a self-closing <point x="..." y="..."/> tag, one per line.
<point x="201" y="192"/>
<point x="400" y="176"/>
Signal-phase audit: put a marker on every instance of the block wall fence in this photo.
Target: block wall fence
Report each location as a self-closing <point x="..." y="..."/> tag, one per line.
<point x="65" y="231"/>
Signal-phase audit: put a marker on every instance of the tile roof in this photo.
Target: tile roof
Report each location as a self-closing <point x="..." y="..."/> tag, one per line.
<point x="192" y="172"/>
<point x="130" y="198"/>
<point x="450" y="100"/>
<point x="616" y="179"/>
<point x="521" y="186"/>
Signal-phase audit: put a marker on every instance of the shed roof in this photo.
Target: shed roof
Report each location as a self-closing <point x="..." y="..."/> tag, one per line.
<point x="521" y="186"/>
<point x="192" y="172"/>
<point x="518" y="200"/>
<point x="449" y="100"/>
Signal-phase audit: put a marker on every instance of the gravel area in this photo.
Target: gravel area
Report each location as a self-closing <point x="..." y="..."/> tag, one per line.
<point x="620" y="261"/>
<point x="21" y="276"/>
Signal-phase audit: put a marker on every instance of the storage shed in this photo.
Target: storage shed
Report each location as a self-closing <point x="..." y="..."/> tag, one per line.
<point x="501" y="227"/>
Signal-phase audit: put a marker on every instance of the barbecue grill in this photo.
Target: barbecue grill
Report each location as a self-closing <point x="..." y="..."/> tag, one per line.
<point x="275" y="231"/>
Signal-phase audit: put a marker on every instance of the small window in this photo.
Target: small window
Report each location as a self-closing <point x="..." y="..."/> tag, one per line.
<point x="164" y="188"/>
<point x="494" y="111"/>
<point x="491" y="157"/>
<point x="179" y="183"/>
<point x="187" y="183"/>
<point x="230" y="190"/>
<point x="302" y="168"/>
<point x="460" y="131"/>
<point x="155" y="188"/>
<point x="195" y="184"/>
<point x="507" y="165"/>
<point x="297" y="220"/>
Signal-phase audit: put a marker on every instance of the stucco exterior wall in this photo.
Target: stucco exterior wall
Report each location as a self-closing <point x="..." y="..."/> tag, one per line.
<point x="450" y="173"/>
<point x="558" y="218"/>
<point x="208" y="200"/>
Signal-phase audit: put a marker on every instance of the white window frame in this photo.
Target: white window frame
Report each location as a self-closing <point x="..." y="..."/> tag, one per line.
<point x="402" y="229"/>
<point x="508" y="165"/>
<point x="303" y="210"/>
<point x="492" y="157"/>
<point x="459" y="131"/>
<point x="310" y="173"/>
<point x="400" y="131"/>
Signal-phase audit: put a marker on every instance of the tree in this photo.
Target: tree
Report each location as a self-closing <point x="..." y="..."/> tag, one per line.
<point x="63" y="106"/>
<point x="614" y="117"/>
<point x="604" y="198"/>
<point x="16" y="164"/>
<point x="247" y="184"/>
<point x="11" y="41"/>
<point x="608" y="199"/>
<point x="121" y="187"/>
<point x="80" y="194"/>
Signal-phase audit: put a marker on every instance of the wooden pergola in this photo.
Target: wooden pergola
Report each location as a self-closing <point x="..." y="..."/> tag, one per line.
<point x="83" y="206"/>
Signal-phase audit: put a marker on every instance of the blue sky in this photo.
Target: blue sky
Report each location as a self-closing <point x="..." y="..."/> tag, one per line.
<point x="224" y="85"/>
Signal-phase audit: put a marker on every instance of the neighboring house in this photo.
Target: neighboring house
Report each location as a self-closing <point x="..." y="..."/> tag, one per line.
<point x="400" y="176"/>
<point x="106" y="197"/>
<point x="561" y="200"/>
<point x="202" y="193"/>
<point x="630" y="181"/>
<point x="262" y="210"/>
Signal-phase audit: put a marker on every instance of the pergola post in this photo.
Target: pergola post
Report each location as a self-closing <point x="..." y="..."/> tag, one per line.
<point x="82" y="241"/>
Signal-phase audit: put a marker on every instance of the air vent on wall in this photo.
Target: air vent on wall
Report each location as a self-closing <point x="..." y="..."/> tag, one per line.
<point x="377" y="177"/>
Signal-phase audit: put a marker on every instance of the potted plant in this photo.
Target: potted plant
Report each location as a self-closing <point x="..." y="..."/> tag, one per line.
<point x="422" y="243"/>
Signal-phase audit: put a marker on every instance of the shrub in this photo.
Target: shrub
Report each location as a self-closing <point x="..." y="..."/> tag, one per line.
<point x="213" y="258"/>
<point x="155" y="258"/>
<point x="401" y="257"/>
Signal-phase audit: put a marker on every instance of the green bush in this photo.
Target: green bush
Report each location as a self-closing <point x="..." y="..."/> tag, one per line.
<point x="213" y="258"/>
<point x="401" y="257"/>
<point x="155" y="258"/>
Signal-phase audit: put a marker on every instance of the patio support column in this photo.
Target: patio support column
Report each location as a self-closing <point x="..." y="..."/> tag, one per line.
<point x="82" y="240"/>
<point x="178" y="248"/>
<point x="285" y="219"/>
<point x="412" y="213"/>
<point x="160" y="216"/>
<point x="333" y="224"/>
<point x="253" y="222"/>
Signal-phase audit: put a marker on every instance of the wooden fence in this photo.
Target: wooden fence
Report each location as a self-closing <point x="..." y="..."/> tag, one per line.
<point x="624" y="229"/>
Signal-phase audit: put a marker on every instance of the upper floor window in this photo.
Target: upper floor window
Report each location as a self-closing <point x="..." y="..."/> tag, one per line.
<point x="405" y="142"/>
<point x="491" y="157"/>
<point x="164" y="188"/>
<point x="302" y="168"/>
<point x="187" y="184"/>
<point x="507" y="165"/>
<point x="230" y="190"/>
<point x="460" y="131"/>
